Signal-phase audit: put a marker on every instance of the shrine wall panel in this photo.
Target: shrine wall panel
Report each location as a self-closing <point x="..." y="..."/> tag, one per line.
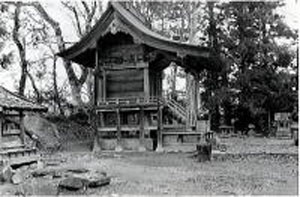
<point x="125" y="83"/>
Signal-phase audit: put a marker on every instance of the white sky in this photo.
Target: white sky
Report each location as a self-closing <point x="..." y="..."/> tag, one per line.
<point x="290" y="11"/>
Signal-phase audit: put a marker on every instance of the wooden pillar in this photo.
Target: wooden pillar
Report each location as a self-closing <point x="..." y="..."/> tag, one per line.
<point x="96" y="147"/>
<point x="101" y="117"/>
<point x="158" y="82"/>
<point x="119" y="134"/>
<point x="196" y="99"/>
<point x="104" y="85"/>
<point x="142" y="130"/>
<point x="96" y="78"/>
<point x="100" y="88"/>
<point x="146" y="83"/>
<point x="96" y="93"/>
<point x="22" y="128"/>
<point x="1" y="123"/>
<point x="159" y="128"/>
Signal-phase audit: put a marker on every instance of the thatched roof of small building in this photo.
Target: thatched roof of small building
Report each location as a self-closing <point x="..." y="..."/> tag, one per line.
<point x="13" y="101"/>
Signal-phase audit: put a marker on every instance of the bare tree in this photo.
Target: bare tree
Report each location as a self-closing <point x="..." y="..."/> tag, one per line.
<point x="84" y="16"/>
<point x="21" y="44"/>
<point x="21" y="49"/>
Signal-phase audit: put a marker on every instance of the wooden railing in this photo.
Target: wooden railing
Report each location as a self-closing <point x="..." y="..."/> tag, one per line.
<point x="176" y="108"/>
<point x="172" y="104"/>
<point x="129" y="100"/>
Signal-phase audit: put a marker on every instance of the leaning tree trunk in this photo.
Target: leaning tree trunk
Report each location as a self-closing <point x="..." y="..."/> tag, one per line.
<point x="39" y="98"/>
<point x="22" y="82"/>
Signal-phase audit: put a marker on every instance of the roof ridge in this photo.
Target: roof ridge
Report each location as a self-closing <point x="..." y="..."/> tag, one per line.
<point x="133" y="10"/>
<point x="115" y="5"/>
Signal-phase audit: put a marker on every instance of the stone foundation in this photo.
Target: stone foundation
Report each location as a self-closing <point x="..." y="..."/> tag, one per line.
<point x="179" y="139"/>
<point x="126" y="144"/>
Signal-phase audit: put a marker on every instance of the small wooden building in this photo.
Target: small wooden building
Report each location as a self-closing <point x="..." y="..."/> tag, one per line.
<point x="128" y="61"/>
<point x="12" y="110"/>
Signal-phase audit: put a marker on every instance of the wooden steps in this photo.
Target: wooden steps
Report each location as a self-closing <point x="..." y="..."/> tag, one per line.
<point x="176" y="109"/>
<point x="17" y="152"/>
<point x="177" y="135"/>
<point x="283" y="135"/>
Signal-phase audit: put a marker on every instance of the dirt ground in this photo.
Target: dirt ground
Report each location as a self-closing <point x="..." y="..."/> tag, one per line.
<point x="254" y="166"/>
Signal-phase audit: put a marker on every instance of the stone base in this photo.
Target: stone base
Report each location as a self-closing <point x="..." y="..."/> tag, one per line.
<point x="132" y="144"/>
<point x="159" y="149"/>
<point x="181" y="138"/>
<point x="96" y="146"/>
<point x="141" y="149"/>
<point x="119" y="148"/>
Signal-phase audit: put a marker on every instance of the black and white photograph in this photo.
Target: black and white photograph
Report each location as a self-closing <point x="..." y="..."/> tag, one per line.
<point x="149" y="98"/>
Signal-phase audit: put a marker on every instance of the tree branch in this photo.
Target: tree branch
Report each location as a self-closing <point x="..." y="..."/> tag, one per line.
<point x="35" y="88"/>
<point x="83" y="76"/>
<point x="73" y="10"/>
<point x="86" y="7"/>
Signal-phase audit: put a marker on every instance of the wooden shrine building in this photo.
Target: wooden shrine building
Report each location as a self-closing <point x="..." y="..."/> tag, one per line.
<point x="12" y="132"/>
<point x="128" y="60"/>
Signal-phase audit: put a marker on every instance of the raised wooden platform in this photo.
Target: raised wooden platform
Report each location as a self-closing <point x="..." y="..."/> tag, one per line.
<point x="128" y="102"/>
<point x="125" y="128"/>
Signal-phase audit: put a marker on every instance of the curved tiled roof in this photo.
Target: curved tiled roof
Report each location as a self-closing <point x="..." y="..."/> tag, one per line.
<point x="136" y="27"/>
<point x="12" y="101"/>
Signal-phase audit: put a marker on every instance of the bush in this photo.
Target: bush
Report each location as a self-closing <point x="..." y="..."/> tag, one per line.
<point x="80" y="117"/>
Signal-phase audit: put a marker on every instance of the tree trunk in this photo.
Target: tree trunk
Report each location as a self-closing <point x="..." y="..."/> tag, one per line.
<point x="90" y="85"/>
<point x="22" y="82"/>
<point x="35" y="88"/>
<point x="173" y="85"/>
<point x="190" y="108"/>
<point x="55" y="87"/>
<point x="76" y="94"/>
<point x="75" y="83"/>
<point x="192" y="98"/>
<point x="21" y="49"/>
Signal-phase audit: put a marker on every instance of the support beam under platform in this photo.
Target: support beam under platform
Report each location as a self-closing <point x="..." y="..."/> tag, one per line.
<point x="142" y="130"/>
<point x="159" y="147"/>
<point x="119" y="134"/>
<point x="96" y="147"/>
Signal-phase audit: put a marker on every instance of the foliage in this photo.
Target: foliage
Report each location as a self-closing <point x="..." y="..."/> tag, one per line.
<point x="247" y="34"/>
<point x="249" y="82"/>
